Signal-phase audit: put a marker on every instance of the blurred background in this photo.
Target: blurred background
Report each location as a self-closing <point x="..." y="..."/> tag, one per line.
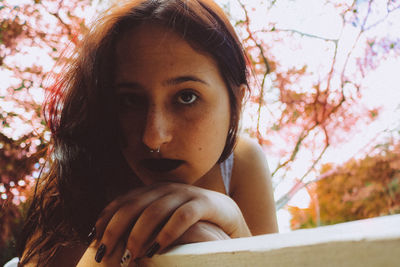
<point x="325" y="101"/>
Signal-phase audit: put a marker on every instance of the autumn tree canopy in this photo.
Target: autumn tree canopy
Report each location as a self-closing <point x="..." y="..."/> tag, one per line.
<point x="359" y="189"/>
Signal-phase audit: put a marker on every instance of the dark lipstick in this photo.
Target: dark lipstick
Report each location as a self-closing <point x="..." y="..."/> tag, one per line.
<point x="161" y="165"/>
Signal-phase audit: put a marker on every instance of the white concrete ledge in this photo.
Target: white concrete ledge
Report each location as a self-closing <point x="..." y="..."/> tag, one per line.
<point x="365" y="243"/>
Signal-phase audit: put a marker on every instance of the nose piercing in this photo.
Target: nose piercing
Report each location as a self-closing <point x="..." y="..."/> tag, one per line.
<point x="155" y="150"/>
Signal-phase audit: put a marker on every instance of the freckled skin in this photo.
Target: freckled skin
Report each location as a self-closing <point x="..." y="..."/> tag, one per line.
<point x="150" y="55"/>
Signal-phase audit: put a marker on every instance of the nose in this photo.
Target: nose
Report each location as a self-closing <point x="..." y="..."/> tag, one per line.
<point x="157" y="130"/>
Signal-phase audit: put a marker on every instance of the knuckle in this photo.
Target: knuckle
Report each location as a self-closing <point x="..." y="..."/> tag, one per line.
<point x="152" y="212"/>
<point x="186" y="215"/>
<point x="131" y="202"/>
<point x="195" y="228"/>
<point x="136" y="239"/>
<point x="132" y="243"/>
<point x="116" y="202"/>
<point x="204" y="198"/>
<point x="166" y="236"/>
<point x="171" y="186"/>
<point x="107" y="210"/>
<point x="108" y="235"/>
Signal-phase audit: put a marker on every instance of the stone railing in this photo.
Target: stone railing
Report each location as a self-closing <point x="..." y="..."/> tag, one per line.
<point x="366" y="243"/>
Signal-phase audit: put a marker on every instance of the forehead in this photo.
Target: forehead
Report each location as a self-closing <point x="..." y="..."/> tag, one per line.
<point x="156" y="46"/>
<point x="150" y="36"/>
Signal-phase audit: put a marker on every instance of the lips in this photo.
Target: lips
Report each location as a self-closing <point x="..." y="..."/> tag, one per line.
<point x="161" y="165"/>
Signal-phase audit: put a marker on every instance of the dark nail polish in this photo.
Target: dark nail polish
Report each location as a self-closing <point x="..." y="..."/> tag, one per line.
<point x="100" y="253"/>
<point x="91" y="235"/>
<point x="152" y="250"/>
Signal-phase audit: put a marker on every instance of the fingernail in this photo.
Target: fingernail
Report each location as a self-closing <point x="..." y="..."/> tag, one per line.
<point x="152" y="250"/>
<point x="91" y="235"/>
<point x="126" y="258"/>
<point x="100" y="253"/>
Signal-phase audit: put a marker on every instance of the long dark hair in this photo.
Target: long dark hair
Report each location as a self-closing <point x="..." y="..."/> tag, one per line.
<point x="87" y="169"/>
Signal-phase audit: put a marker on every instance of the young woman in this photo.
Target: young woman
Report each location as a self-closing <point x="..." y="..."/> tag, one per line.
<point x="145" y="152"/>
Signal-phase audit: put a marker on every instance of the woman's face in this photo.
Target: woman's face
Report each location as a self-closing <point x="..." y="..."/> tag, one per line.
<point x="171" y="97"/>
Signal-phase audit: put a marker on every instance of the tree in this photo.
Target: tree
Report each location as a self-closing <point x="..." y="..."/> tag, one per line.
<point x="32" y="36"/>
<point x="359" y="189"/>
<point x="305" y="104"/>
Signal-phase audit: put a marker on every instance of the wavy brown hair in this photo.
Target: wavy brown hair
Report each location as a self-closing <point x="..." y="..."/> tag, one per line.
<point x="87" y="169"/>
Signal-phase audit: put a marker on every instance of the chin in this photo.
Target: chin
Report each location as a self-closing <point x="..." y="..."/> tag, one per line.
<point x="149" y="178"/>
<point x="170" y="177"/>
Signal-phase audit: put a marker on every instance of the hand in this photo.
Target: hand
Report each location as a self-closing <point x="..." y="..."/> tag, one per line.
<point x="156" y="216"/>
<point x="199" y="232"/>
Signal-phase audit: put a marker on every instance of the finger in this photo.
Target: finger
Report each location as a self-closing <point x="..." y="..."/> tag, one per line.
<point x="180" y="221"/>
<point x="226" y="214"/>
<point x="109" y="211"/>
<point x="123" y="219"/>
<point x="151" y="220"/>
<point x="88" y="258"/>
<point x="201" y="232"/>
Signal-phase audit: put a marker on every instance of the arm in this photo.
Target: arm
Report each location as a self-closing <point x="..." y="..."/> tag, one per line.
<point x="253" y="194"/>
<point x="252" y="189"/>
<point x="199" y="232"/>
<point x="158" y="216"/>
<point x="168" y="214"/>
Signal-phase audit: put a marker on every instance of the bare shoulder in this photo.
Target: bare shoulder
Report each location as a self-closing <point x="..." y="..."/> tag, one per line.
<point x="251" y="187"/>
<point x="250" y="158"/>
<point x="249" y="147"/>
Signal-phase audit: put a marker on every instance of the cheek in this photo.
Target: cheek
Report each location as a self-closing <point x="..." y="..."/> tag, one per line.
<point x="210" y="132"/>
<point x="130" y="128"/>
<point x="124" y="136"/>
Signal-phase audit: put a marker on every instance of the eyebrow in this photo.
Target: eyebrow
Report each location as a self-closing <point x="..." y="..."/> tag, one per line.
<point x="182" y="79"/>
<point x="172" y="81"/>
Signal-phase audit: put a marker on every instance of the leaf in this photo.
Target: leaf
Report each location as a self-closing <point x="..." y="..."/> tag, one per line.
<point x="20" y="88"/>
<point x="275" y="127"/>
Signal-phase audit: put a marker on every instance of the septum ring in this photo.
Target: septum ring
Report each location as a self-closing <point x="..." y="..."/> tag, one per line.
<point x="155" y="150"/>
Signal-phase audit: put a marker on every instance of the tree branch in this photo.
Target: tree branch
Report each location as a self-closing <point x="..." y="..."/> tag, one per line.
<point x="302" y="34"/>
<point x="266" y="72"/>
<point x="389" y="11"/>
<point x="280" y="203"/>
<point x="355" y="43"/>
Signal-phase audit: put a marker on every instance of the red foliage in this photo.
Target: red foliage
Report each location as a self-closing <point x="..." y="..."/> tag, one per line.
<point x="32" y="36"/>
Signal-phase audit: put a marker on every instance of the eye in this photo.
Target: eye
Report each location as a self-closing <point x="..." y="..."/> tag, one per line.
<point x="187" y="97"/>
<point x="129" y="101"/>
